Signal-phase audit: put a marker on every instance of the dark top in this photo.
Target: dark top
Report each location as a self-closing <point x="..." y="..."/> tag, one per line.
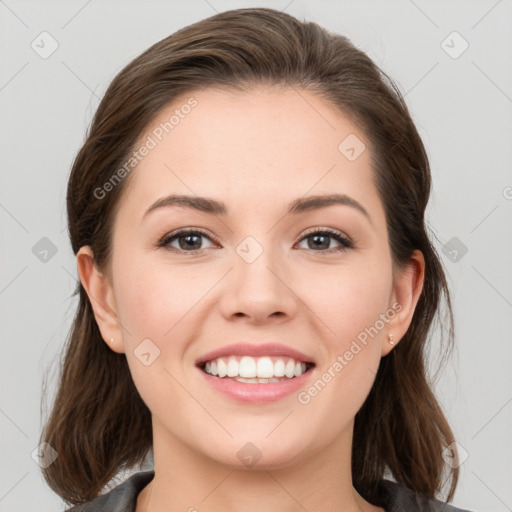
<point x="393" y="497"/>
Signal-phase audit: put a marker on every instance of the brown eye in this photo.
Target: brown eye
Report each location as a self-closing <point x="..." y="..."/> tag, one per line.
<point x="319" y="241"/>
<point x="188" y="241"/>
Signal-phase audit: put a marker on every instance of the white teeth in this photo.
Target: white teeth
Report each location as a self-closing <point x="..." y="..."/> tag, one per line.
<point x="256" y="380"/>
<point x="222" y="368"/>
<point x="289" y="370"/>
<point x="247" y="367"/>
<point x="279" y="368"/>
<point x="255" y="369"/>
<point x="232" y="367"/>
<point x="264" y="368"/>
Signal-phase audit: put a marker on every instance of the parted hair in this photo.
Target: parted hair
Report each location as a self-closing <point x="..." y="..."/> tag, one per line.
<point x="98" y="423"/>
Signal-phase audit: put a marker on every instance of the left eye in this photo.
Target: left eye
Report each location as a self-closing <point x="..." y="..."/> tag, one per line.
<point x="186" y="240"/>
<point x="190" y="241"/>
<point x="319" y="237"/>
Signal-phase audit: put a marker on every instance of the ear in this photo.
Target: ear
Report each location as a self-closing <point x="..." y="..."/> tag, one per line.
<point x="407" y="288"/>
<point x="101" y="297"/>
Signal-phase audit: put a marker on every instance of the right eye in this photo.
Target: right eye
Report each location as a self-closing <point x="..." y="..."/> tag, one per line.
<point x="187" y="239"/>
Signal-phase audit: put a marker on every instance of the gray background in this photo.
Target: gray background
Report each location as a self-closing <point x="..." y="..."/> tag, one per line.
<point x="462" y="105"/>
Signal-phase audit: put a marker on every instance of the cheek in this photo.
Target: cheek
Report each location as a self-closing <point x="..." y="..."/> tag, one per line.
<point x="151" y="306"/>
<point x="152" y="298"/>
<point x="351" y="305"/>
<point x="351" y="313"/>
<point x="350" y="301"/>
<point x="142" y="309"/>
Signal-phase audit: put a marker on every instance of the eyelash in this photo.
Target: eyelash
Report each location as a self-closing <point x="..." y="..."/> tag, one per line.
<point x="345" y="242"/>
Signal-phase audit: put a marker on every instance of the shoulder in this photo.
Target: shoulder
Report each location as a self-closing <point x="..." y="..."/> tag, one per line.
<point x="396" y="497"/>
<point x="122" y="498"/>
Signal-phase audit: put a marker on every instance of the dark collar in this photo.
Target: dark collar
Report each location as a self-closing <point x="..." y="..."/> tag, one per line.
<point x="396" y="497"/>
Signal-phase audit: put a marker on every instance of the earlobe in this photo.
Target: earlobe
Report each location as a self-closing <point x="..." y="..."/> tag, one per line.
<point x="100" y="293"/>
<point x="406" y="293"/>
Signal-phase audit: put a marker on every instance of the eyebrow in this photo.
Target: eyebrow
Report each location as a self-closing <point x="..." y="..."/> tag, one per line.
<point x="298" y="206"/>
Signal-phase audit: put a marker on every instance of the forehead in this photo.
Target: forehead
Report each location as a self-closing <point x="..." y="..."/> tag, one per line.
<point x="252" y="146"/>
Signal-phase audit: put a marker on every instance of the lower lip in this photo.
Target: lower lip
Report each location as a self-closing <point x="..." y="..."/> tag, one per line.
<point x="246" y="392"/>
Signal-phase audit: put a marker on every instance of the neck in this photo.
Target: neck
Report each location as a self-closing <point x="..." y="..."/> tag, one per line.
<point x="186" y="480"/>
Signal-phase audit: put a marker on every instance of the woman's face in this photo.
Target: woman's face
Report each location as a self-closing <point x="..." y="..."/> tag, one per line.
<point x="259" y="276"/>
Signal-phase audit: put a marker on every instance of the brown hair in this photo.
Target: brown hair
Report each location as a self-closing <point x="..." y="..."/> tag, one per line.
<point x="99" y="424"/>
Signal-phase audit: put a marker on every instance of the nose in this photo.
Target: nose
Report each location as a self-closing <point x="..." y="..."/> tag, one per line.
<point x="259" y="289"/>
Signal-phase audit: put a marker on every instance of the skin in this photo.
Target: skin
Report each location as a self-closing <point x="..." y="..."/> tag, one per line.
<point x="256" y="151"/>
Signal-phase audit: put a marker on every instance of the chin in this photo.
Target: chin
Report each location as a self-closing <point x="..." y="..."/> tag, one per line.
<point x="259" y="454"/>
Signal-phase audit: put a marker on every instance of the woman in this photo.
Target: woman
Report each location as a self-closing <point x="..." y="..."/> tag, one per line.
<point x="257" y="284"/>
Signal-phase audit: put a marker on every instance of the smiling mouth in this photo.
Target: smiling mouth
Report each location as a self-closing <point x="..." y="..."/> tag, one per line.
<point x="256" y="370"/>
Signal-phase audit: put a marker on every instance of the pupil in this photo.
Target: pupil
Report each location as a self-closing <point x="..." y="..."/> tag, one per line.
<point x="189" y="241"/>
<point x="316" y="237"/>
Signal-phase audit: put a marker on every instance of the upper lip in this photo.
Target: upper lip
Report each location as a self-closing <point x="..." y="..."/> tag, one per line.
<point x="247" y="349"/>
